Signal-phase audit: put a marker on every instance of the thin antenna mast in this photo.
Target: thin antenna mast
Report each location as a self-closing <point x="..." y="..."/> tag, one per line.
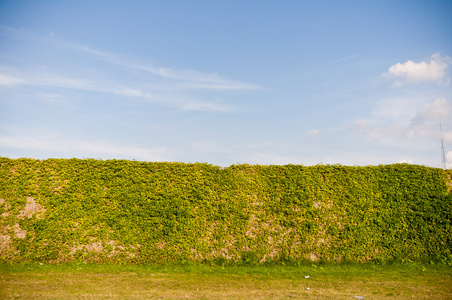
<point x="443" y="158"/>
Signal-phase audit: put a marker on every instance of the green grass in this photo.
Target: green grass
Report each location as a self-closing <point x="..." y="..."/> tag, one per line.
<point x="196" y="281"/>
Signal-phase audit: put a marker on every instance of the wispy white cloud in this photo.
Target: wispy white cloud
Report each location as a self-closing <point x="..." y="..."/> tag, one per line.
<point x="80" y="148"/>
<point x="313" y="132"/>
<point x="134" y="93"/>
<point x="415" y="72"/>
<point x="273" y="159"/>
<point x="8" y="80"/>
<point x="406" y="161"/>
<point x="362" y="128"/>
<point x="449" y="159"/>
<point x="336" y="61"/>
<point x="170" y="99"/>
<point x="193" y="105"/>
<point x="176" y="88"/>
<point x="50" y="98"/>
<point x="11" y="76"/>
<point x="187" y="79"/>
<point x="423" y="125"/>
<point x="432" y="109"/>
<point x="57" y="80"/>
<point x="197" y="80"/>
<point x="400" y="108"/>
<point x="179" y="102"/>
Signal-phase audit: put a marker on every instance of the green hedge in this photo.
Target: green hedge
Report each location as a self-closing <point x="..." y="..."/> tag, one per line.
<point x="60" y="210"/>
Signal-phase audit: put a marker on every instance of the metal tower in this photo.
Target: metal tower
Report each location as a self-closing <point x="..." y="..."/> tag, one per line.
<point x="443" y="157"/>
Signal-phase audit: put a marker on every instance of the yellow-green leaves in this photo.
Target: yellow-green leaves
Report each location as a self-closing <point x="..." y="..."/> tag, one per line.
<point x="139" y="212"/>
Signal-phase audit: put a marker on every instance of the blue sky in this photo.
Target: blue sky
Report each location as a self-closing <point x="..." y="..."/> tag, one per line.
<point x="227" y="82"/>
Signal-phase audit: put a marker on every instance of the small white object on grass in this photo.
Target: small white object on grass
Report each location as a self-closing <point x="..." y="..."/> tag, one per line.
<point x="359" y="297"/>
<point x="307" y="276"/>
<point x="308" y="289"/>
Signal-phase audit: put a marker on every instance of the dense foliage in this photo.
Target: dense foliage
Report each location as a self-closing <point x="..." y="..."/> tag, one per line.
<point x="141" y="212"/>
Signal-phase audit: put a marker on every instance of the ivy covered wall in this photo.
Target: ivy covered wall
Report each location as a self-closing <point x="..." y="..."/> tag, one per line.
<point x="60" y="210"/>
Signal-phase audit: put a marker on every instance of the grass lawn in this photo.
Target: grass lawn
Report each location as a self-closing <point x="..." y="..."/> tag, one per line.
<point x="83" y="281"/>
